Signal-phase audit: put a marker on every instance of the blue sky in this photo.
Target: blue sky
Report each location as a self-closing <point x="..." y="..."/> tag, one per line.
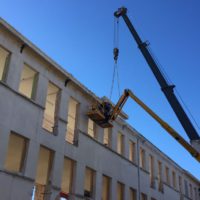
<point x="79" y="36"/>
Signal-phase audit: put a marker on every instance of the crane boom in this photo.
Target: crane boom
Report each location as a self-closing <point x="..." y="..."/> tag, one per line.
<point x="165" y="87"/>
<point x="128" y="93"/>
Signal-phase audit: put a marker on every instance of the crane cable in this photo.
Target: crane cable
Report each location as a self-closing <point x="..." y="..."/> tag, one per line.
<point x="115" y="54"/>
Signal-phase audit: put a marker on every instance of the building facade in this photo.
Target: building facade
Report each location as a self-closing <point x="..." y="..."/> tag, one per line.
<point x="50" y="148"/>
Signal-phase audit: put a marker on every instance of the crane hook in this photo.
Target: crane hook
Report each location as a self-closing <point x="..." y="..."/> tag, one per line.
<point x="116" y="53"/>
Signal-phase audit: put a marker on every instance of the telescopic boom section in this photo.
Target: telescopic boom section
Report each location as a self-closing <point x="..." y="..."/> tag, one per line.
<point x="118" y="108"/>
<point x="165" y="87"/>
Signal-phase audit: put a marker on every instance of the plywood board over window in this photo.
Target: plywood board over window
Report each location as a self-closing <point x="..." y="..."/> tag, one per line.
<point x="91" y="128"/>
<point x="44" y="166"/>
<point x="67" y="175"/>
<point x="4" y="57"/>
<point x="71" y="120"/>
<point x="107" y="137"/>
<point x="120" y="191"/>
<point x="105" y="188"/>
<point x="16" y="152"/>
<point x="142" y="158"/>
<point x="28" y="81"/>
<point x="51" y="108"/>
<point x="89" y="182"/>
<point x="133" y="194"/>
<point x="120" y="143"/>
<point x="131" y="151"/>
<point x="151" y="170"/>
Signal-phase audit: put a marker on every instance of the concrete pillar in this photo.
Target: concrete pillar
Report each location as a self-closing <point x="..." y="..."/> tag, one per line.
<point x="98" y="186"/>
<point x="41" y="90"/>
<point x="4" y="139"/>
<point x="113" y="189"/>
<point x="114" y="139"/>
<point x="64" y="102"/>
<point x="100" y="134"/>
<point x="14" y="71"/>
<point x="126" y="147"/>
<point x="79" y="179"/>
<point x="32" y="159"/>
<point x="82" y="118"/>
<point x="126" y="192"/>
<point x="56" y="174"/>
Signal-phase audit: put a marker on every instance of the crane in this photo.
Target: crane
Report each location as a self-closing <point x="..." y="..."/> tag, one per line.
<point x="105" y="113"/>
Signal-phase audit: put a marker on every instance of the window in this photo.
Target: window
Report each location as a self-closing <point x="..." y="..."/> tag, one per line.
<point x="180" y="184"/>
<point x="28" y="82"/>
<point x="133" y="194"/>
<point x="107" y="137"/>
<point x="51" y="108"/>
<point x="16" y="151"/>
<point x="167" y="175"/>
<point x="160" y="185"/>
<point x="44" y="165"/>
<point x="43" y="172"/>
<point x="143" y="196"/>
<point x="131" y="151"/>
<point x="105" y="188"/>
<point x="4" y="55"/>
<point x="191" y="192"/>
<point x="71" y="120"/>
<point x="142" y="158"/>
<point x="89" y="182"/>
<point x="91" y="128"/>
<point x="67" y="175"/>
<point x="174" y="179"/>
<point x="120" y="191"/>
<point x="120" y="141"/>
<point x="151" y="170"/>
<point x="186" y="188"/>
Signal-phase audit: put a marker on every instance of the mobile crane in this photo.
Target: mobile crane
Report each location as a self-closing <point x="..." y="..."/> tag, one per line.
<point x="104" y="114"/>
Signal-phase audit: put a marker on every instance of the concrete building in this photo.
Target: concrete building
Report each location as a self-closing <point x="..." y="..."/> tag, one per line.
<point x="48" y="145"/>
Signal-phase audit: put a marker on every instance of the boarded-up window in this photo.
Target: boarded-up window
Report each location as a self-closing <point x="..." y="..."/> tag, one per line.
<point x="167" y="175"/>
<point x="174" y="179"/>
<point x="51" y="108"/>
<point x="120" y="191"/>
<point x="151" y="170"/>
<point x="105" y="188"/>
<point x="28" y="82"/>
<point x="67" y="175"/>
<point x="15" y="153"/>
<point x="120" y="143"/>
<point x="44" y="166"/>
<point x="131" y="151"/>
<point x="89" y="182"/>
<point x="191" y="192"/>
<point x="142" y="158"/>
<point x="4" y="55"/>
<point x="143" y="196"/>
<point x="91" y="128"/>
<point x="180" y="184"/>
<point x="160" y="184"/>
<point x="107" y="137"/>
<point x="133" y="194"/>
<point x="72" y="120"/>
<point x="186" y="188"/>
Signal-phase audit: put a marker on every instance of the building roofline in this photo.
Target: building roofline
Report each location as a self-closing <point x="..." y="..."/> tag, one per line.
<point x="47" y="58"/>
